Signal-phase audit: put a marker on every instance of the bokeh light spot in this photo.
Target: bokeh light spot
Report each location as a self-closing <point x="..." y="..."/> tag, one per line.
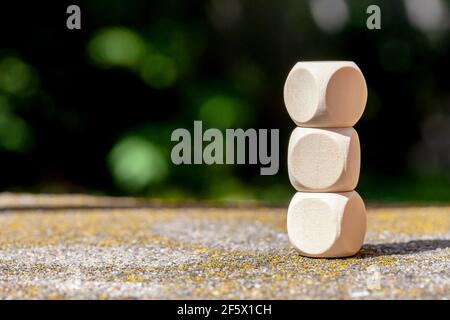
<point x="136" y="163"/>
<point x="430" y="15"/>
<point x="15" y="134"/>
<point x="330" y="15"/>
<point x="116" y="46"/>
<point x="222" y="111"/>
<point x="158" y="71"/>
<point x="179" y="42"/>
<point x="225" y="14"/>
<point x="16" y="77"/>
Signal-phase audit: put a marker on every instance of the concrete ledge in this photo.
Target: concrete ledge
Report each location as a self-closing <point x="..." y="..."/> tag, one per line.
<point x="102" y="251"/>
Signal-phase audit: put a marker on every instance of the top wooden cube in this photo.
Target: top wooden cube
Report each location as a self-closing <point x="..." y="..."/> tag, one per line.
<point x="325" y="94"/>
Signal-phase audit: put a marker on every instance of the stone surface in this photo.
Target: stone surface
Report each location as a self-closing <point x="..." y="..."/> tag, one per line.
<point x="104" y="248"/>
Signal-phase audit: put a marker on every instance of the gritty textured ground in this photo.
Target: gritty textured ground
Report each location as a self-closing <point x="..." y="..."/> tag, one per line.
<point x="79" y="247"/>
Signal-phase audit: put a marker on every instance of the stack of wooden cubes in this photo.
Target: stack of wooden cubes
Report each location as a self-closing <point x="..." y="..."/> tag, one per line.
<point x="326" y="217"/>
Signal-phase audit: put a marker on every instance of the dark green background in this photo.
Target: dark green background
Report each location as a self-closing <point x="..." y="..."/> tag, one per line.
<point x="92" y="110"/>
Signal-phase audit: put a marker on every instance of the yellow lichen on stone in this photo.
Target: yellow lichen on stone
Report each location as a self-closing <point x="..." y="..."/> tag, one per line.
<point x="203" y="253"/>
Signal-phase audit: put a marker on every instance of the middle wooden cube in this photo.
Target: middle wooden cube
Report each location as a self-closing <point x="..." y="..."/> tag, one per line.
<point x="324" y="160"/>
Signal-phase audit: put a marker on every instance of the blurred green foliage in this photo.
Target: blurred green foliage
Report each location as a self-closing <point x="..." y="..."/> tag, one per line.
<point x="93" y="110"/>
<point x="17" y="80"/>
<point x="116" y="47"/>
<point x="136" y="163"/>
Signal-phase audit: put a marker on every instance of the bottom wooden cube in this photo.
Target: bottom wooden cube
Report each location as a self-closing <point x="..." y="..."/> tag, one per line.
<point x="327" y="225"/>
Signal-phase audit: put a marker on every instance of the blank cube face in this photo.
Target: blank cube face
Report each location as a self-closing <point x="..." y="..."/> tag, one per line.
<point x="324" y="160"/>
<point x="327" y="225"/>
<point x="325" y="94"/>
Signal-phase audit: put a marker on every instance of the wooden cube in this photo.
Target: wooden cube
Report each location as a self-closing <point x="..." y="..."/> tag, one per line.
<point x="325" y="94"/>
<point x="324" y="160"/>
<point x="327" y="225"/>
